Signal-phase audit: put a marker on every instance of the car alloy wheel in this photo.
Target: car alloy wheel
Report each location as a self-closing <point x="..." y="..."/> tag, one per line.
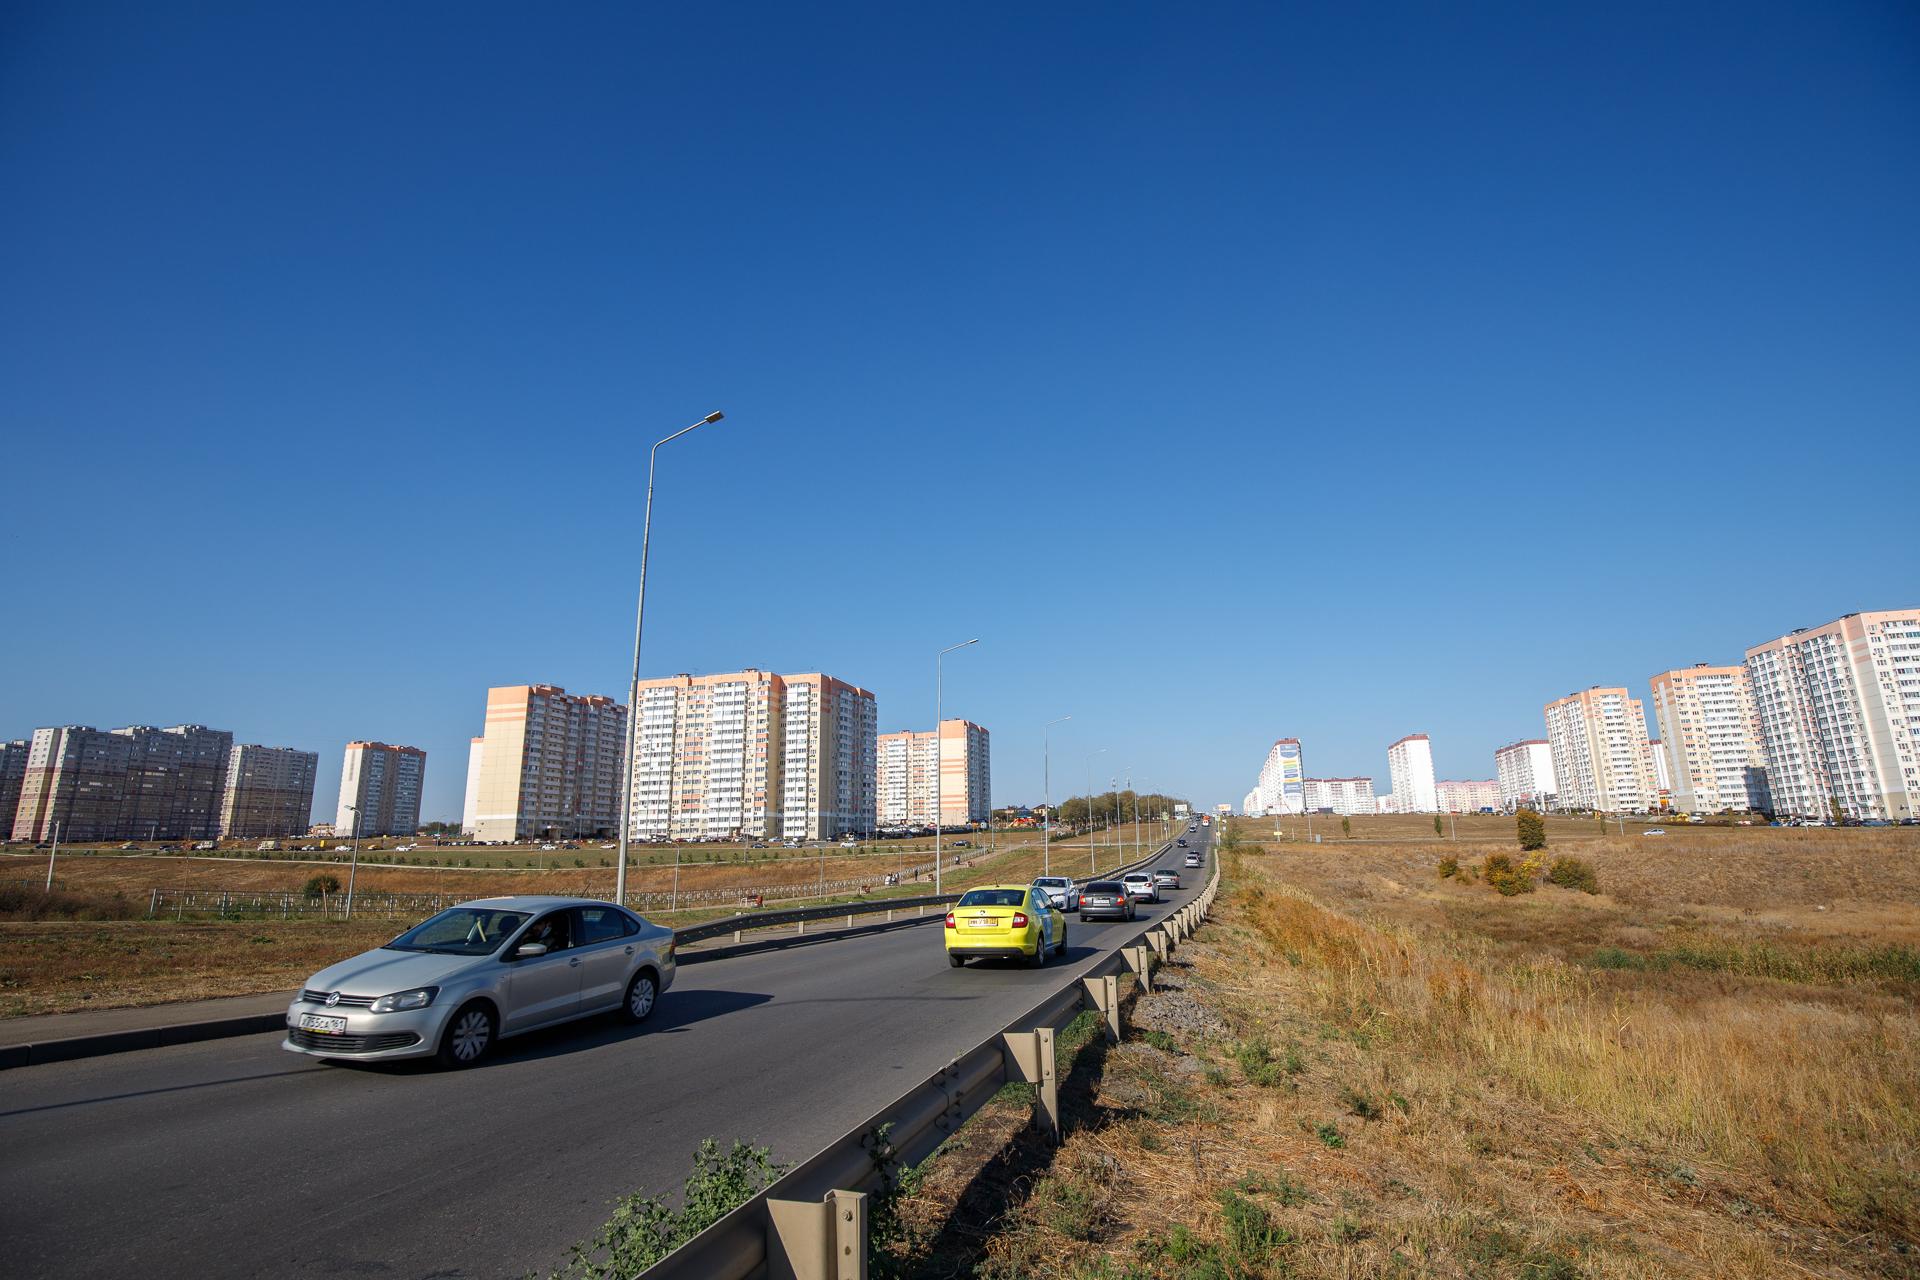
<point x="468" y="1036"/>
<point x="641" y="993"/>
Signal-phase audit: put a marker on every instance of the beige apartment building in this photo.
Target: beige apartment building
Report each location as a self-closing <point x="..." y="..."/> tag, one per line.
<point x="753" y="754"/>
<point x="1709" y="739"/>
<point x="380" y="789"/>
<point x="548" y="767"/>
<point x="269" y="791"/>
<point x="1839" y="712"/>
<point x="904" y="775"/>
<point x="1601" y="757"/>
<point x="1466" y="795"/>
<point x="139" y="782"/>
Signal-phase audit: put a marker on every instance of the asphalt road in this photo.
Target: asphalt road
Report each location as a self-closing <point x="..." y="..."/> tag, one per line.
<point x="235" y="1158"/>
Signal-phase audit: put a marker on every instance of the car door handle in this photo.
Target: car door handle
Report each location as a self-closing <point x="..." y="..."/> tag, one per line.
<point x="574" y="963"/>
<point x="629" y="950"/>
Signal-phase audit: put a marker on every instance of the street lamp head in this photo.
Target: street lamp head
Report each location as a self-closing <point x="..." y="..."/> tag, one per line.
<point x="715" y="416"/>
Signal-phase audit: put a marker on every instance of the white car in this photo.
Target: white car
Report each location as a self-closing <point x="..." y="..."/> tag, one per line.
<point x="1140" y="886"/>
<point x="1061" y="892"/>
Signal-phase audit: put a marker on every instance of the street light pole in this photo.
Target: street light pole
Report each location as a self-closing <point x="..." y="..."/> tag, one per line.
<point x="1093" y="866"/>
<point x="1046" y="794"/>
<point x="633" y="685"/>
<point x="353" y="870"/>
<point x="939" y="676"/>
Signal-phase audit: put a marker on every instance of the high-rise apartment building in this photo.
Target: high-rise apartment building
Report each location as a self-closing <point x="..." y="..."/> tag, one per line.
<point x="904" y="775"/>
<point x="548" y="767"/>
<point x="469" y="807"/>
<point x="1344" y="796"/>
<point x="1524" y="771"/>
<point x="1282" y="785"/>
<point x="1601" y="759"/>
<point x="1709" y="739"/>
<point x="139" y="782"/>
<point x="751" y="753"/>
<point x="1839" y="710"/>
<point x="13" y="770"/>
<point x="380" y="788"/>
<point x="1452" y="796"/>
<point x="1410" y="765"/>
<point x="268" y="792"/>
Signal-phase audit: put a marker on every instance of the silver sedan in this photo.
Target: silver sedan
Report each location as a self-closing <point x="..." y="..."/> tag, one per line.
<point x="480" y="972"/>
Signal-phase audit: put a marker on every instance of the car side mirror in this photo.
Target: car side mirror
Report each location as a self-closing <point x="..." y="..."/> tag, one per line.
<point x="529" y="950"/>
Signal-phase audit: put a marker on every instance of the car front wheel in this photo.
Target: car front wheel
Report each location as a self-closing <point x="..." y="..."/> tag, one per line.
<point x="1061" y="949"/>
<point x="468" y="1036"/>
<point x="642" y="993"/>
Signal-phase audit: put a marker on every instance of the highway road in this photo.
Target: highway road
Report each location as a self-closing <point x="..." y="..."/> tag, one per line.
<point x="235" y="1158"/>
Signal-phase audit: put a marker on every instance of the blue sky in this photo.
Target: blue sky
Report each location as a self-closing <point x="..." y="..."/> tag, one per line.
<point x="1465" y="355"/>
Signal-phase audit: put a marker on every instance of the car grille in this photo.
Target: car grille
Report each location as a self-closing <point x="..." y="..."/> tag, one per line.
<point x="344" y="1002"/>
<point x="352" y="1044"/>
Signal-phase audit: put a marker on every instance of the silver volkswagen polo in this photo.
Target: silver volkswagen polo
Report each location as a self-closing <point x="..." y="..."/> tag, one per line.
<point x="480" y="972"/>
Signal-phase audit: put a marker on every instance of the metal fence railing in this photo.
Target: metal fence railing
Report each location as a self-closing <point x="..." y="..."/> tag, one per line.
<point x="812" y="1223"/>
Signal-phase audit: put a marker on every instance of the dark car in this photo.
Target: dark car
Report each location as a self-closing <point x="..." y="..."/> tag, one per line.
<point x="1106" y="900"/>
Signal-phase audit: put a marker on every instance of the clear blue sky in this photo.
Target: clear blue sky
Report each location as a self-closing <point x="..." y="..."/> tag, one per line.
<point x="1471" y="354"/>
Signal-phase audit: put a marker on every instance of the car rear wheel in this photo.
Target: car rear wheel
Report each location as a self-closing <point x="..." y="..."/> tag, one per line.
<point x="954" y="960"/>
<point x="1039" y="956"/>
<point x="642" y="992"/>
<point x="469" y="1034"/>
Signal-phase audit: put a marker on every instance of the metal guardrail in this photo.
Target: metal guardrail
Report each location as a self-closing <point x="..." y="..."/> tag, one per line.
<point x="800" y="915"/>
<point x="812" y="1223"/>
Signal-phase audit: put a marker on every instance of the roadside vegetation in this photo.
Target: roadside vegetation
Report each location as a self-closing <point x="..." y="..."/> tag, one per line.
<point x="1690" y="1057"/>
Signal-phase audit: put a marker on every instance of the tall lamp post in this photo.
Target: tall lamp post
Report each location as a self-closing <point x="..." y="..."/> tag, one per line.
<point x="1093" y="867"/>
<point x="938" y="677"/>
<point x="354" y="868"/>
<point x="1046" y="793"/>
<point x="633" y="685"/>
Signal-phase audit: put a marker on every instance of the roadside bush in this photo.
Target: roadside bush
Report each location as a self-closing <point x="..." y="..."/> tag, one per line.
<point x="1346" y="827"/>
<point x="645" y="1229"/>
<point x="1438" y="829"/>
<point x="1571" y="873"/>
<point x="1532" y="830"/>
<point x="1503" y="875"/>
<point x="1449" y="867"/>
<point x="27" y="902"/>
<point x="321" y="884"/>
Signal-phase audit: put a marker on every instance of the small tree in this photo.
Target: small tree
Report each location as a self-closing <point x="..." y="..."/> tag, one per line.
<point x="1532" y="829"/>
<point x="321" y="884"/>
<point x="1346" y="827"/>
<point x="1438" y="830"/>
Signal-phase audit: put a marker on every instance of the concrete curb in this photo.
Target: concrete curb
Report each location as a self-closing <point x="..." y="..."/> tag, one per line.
<point x="72" y="1047"/>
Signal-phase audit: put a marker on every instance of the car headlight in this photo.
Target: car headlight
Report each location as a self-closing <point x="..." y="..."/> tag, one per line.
<point x="418" y="998"/>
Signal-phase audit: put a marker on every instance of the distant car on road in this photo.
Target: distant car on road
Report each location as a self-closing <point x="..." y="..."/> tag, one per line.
<point x="1060" y="891"/>
<point x="1005" y="921"/>
<point x="1166" y="878"/>
<point x="1194" y="859"/>
<point x="1140" y="886"/>
<point x="1106" y="900"/>
<point x="1654" y="831"/>
<point x="1182" y="842"/>
<point x="478" y="973"/>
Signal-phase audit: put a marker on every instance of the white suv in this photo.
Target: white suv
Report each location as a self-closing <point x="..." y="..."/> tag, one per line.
<point x="1060" y="891"/>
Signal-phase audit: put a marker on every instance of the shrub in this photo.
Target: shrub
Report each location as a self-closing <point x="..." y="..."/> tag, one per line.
<point x="1571" y="873"/>
<point x="645" y="1229"/>
<point x="1449" y="867"/>
<point x="320" y="884"/>
<point x="1346" y="827"/>
<point x="1329" y="1134"/>
<point x="1259" y="1065"/>
<point x="1438" y="830"/>
<point x="1532" y="829"/>
<point x="1504" y="876"/>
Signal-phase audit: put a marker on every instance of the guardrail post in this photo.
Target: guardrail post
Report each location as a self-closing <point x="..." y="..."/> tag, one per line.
<point x="1137" y="961"/>
<point x="822" y="1239"/>
<point x="799" y="926"/>
<point x="1032" y="1055"/>
<point x="1104" y="993"/>
<point x="1158" y="941"/>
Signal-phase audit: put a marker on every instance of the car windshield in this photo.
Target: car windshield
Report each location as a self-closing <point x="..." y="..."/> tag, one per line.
<point x="994" y="898"/>
<point x="461" y="931"/>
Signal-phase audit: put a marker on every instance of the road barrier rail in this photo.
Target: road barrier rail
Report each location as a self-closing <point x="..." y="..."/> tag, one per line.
<point x="812" y="1224"/>
<point x="800" y="916"/>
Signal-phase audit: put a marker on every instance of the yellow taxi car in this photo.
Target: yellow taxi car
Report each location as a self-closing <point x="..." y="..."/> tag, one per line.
<point x="1008" y="922"/>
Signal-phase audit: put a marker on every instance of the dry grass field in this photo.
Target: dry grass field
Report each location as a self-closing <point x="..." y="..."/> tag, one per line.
<point x="53" y="966"/>
<point x="1709" y="1068"/>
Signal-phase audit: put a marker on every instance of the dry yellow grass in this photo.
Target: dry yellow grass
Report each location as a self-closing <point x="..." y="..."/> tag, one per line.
<point x="1693" y="1073"/>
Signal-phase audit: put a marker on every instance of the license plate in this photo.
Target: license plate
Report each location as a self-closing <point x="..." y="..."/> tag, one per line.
<point x="983" y="924"/>
<point x="314" y="1022"/>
